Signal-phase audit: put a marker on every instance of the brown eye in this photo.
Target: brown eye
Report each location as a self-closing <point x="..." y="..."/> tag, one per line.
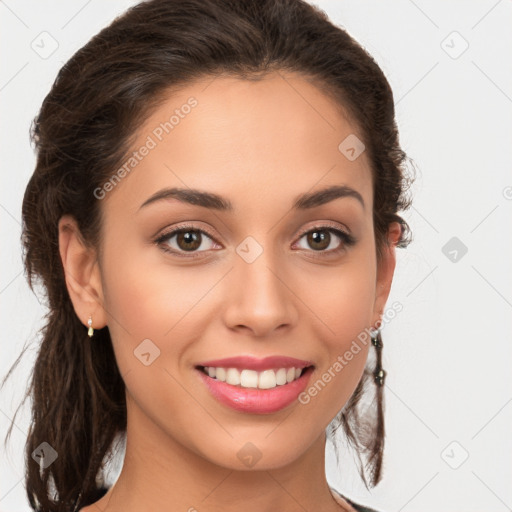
<point x="326" y="240"/>
<point x="319" y="240"/>
<point x="188" y="240"/>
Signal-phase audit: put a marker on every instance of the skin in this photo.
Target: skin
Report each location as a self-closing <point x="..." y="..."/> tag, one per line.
<point x="259" y="145"/>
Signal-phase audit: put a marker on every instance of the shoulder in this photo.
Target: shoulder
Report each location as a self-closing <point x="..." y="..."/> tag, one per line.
<point x="356" y="506"/>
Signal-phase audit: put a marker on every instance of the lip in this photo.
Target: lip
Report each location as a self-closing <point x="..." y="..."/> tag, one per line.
<point x="259" y="365"/>
<point x="253" y="400"/>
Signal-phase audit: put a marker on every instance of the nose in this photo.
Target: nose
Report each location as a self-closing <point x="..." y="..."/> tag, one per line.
<point x="259" y="300"/>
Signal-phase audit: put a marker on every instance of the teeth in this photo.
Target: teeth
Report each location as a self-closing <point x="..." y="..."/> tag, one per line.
<point x="233" y="376"/>
<point x="281" y="376"/>
<point x="247" y="379"/>
<point x="266" y="379"/>
<point x="220" y="374"/>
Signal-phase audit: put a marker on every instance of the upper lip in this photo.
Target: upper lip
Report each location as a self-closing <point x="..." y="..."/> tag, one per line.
<point x="253" y="363"/>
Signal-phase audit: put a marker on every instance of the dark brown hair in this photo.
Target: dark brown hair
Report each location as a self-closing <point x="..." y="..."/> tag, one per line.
<point x="83" y="133"/>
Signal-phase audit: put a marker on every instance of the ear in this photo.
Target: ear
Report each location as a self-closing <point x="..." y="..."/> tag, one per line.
<point x="385" y="271"/>
<point x="82" y="272"/>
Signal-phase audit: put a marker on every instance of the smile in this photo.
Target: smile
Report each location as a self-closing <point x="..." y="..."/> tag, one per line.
<point x="250" y="384"/>
<point x="246" y="378"/>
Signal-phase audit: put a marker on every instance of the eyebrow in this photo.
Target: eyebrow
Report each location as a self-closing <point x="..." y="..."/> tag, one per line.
<point x="216" y="202"/>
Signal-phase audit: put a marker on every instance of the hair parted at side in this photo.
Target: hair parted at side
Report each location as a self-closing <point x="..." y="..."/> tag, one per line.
<point x="82" y="133"/>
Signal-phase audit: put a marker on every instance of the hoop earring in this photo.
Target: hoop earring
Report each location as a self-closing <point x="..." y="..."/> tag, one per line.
<point x="90" y="332"/>
<point x="379" y="373"/>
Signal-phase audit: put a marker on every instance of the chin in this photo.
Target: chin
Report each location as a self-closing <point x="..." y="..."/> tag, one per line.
<point x="256" y="453"/>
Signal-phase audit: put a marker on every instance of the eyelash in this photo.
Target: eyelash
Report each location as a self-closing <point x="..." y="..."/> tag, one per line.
<point x="347" y="240"/>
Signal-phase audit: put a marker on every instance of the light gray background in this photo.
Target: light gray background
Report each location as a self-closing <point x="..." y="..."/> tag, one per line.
<point x="448" y="353"/>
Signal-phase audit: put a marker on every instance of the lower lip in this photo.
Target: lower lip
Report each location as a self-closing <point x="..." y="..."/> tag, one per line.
<point x="253" y="400"/>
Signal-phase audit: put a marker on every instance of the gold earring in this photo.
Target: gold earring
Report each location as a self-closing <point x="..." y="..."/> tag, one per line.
<point x="90" y="332"/>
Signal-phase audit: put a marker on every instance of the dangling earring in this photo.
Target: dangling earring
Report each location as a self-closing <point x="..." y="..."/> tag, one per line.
<point x="379" y="374"/>
<point x="90" y="332"/>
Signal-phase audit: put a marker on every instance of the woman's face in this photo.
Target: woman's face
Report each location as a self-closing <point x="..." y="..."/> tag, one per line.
<point x="253" y="274"/>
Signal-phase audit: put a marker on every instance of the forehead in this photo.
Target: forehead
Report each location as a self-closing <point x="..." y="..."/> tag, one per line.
<point x="280" y="135"/>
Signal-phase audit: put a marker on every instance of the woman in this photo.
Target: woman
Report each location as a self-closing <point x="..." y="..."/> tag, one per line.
<point x="214" y="216"/>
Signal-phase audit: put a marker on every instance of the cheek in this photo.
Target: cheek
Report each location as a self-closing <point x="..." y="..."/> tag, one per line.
<point x="141" y="301"/>
<point x="342" y="299"/>
<point x="156" y="301"/>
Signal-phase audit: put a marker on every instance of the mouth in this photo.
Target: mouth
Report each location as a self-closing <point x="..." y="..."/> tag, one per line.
<point x="247" y="390"/>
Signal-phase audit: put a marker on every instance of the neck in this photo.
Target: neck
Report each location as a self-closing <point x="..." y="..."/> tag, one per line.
<point x="161" y="474"/>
